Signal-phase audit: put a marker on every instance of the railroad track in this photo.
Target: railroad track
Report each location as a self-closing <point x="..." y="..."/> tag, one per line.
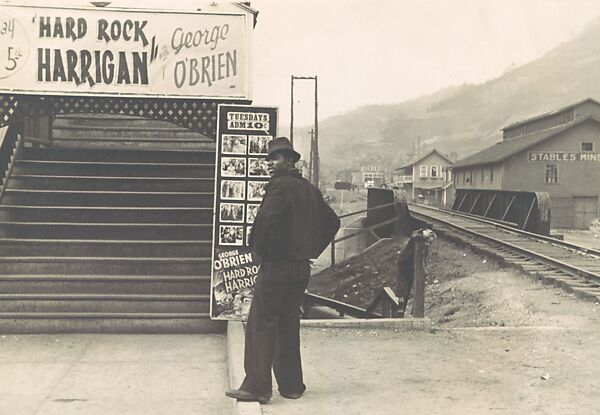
<point x="571" y="267"/>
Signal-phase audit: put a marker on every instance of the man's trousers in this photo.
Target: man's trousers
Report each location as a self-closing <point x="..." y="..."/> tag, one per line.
<point x="273" y="328"/>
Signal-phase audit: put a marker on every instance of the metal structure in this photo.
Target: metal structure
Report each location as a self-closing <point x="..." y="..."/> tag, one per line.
<point x="529" y="211"/>
<point x="314" y="147"/>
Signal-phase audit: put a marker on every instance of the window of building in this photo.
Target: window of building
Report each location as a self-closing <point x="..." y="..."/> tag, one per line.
<point x="482" y="174"/>
<point x="446" y="173"/>
<point x="435" y="173"/>
<point x="422" y="171"/>
<point x="372" y="176"/>
<point x="491" y="174"/>
<point x="587" y="146"/>
<point x="551" y="173"/>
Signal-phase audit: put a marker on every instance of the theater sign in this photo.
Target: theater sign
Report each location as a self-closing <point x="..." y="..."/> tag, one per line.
<point x="104" y="51"/>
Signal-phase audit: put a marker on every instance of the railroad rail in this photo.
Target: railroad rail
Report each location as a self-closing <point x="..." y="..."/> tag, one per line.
<point x="570" y="266"/>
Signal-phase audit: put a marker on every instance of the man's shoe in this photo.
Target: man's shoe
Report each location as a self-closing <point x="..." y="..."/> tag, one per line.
<point x="291" y="395"/>
<point x="242" y="395"/>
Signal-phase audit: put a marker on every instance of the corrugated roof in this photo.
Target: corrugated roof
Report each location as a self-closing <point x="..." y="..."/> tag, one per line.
<point x="508" y="148"/>
<point x="547" y="114"/>
<point x="419" y="158"/>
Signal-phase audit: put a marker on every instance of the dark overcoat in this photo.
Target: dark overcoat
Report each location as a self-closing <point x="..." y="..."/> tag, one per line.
<point x="292" y="225"/>
<point x="293" y="221"/>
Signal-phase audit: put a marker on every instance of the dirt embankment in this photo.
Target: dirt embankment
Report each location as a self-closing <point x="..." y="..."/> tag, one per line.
<point x="463" y="289"/>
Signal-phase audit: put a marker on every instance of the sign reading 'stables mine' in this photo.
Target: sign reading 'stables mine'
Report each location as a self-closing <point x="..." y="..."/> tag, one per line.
<point x="110" y="51"/>
<point x="546" y="156"/>
<point x="241" y="177"/>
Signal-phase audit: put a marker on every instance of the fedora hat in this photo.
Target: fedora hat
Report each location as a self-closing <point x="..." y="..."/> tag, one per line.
<point x="282" y="144"/>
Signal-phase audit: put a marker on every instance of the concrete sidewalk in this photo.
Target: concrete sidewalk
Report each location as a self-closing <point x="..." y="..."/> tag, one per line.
<point x="497" y="370"/>
<point x="351" y="368"/>
<point x="113" y="374"/>
<point x="311" y="402"/>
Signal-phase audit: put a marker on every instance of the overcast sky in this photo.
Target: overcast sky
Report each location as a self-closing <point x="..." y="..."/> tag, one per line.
<point x="388" y="51"/>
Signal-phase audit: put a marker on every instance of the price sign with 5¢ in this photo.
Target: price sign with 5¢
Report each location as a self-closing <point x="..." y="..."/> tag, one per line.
<point x="14" y="46"/>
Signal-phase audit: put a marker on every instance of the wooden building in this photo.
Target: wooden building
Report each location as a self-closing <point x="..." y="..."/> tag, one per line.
<point x="557" y="152"/>
<point x="372" y="175"/>
<point x="427" y="179"/>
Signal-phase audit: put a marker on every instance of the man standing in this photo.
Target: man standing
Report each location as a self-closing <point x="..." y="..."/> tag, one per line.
<point x="293" y="224"/>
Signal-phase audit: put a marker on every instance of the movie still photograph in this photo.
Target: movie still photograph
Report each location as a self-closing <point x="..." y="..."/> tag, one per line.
<point x="232" y="212"/>
<point x="252" y="211"/>
<point x="233" y="144"/>
<point x="231" y="235"/>
<point x="233" y="167"/>
<point x="257" y="144"/>
<point x="258" y="167"/>
<point x="256" y="190"/>
<point x="233" y="190"/>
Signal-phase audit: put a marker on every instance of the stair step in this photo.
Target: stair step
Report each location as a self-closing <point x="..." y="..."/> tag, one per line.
<point x="100" y="303"/>
<point x="141" y="323"/>
<point x="105" y="265"/>
<point x="104" y="239"/>
<point x="127" y="156"/>
<point x="101" y="125"/>
<point x="97" y="133"/>
<point x="93" y="126"/>
<point x="140" y="144"/>
<point x="105" y="248"/>
<point x="112" y="119"/>
<point x="134" y="184"/>
<point x="123" y="121"/>
<point x="103" y="284"/>
<point x="108" y="231"/>
<point x="98" y="214"/>
<point x="110" y="169"/>
<point x="90" y="198"/>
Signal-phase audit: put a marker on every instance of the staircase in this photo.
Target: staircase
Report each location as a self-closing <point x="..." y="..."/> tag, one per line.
<point x="108" y="230"/>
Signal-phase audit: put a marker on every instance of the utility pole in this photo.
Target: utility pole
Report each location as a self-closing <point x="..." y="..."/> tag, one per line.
<point x="310" y="164"/>
<point x="292" y="111"/>
<point x="314" y="152"/>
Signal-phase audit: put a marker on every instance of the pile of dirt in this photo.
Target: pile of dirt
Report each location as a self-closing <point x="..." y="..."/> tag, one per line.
<point x="462" y="287"/>
<point x="359" y="279"/>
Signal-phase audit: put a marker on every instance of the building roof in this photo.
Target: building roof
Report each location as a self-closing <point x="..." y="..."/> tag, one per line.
<point x="547" y="114"/>
<point x="419" y="158"/>
<point x="508" y="148"/>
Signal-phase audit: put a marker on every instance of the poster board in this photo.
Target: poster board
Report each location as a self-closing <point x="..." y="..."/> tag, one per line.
<point x="241" y="176"/>
<point x="111" y="51"/>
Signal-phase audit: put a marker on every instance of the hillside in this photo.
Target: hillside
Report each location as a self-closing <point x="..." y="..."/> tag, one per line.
<point x="467" y="118"/>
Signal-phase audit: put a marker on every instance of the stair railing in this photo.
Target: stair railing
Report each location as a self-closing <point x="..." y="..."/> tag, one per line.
<point x="343" y="309"/>
<point x="370" y="229"/>
<point x="389" y="302"/>
<point x="391" y="305"/>
<point x="9" y="152"/>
